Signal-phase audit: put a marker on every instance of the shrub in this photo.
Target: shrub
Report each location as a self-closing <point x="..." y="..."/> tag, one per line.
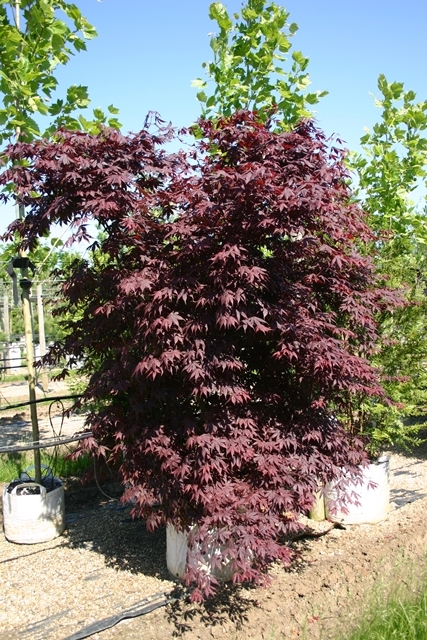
<point x="227" y="325"/>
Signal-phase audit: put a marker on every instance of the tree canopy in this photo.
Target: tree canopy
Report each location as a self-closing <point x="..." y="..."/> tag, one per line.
<point x="36" y="36"/>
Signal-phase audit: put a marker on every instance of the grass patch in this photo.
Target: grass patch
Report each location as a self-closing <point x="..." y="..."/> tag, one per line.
<point x="8" y="378"/>
<point x="13" y="464"/>
<point x="395" y="609"/>
<point x="400" y="618"/>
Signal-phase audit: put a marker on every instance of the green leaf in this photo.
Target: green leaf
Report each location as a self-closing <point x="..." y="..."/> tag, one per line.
<point x="28" y="126"/>
<point x="199" y="83"/>
<point x="218" y="12"/>
<point x="99" y="114"/>
<point x="89" y="32"/>
<point x="249" y="14"/>
<point x="78" y="96"/>
<point x="79" y="45"/>
<point x="73" y="12"/>
<point x="114" y="123"/>
<point x="397" y="89"/>
<point x="312" y="98"/>
<point x="201" y="96"/>
<point x="301" y="60"/>
<point x="85" y="124"/>
<point x="112" y="109"/>
<point x="56" y="107"/>
<point x="303" y="82"/>
<point x="57" y="43"/>
<point x="382" y="84"/>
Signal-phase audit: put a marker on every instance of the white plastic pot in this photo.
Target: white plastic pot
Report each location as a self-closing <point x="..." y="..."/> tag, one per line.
<point x="374" y="500"/>
<point x="32" y="518"/>
<point x="13" y="359"/>
<point x="177" y="552"/>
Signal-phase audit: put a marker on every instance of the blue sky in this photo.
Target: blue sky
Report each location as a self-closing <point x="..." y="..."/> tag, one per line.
<point x="148" y="52"/>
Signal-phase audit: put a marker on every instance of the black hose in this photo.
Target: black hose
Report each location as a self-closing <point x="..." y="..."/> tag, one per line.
<point x="37" y="401"/>
<point x="139" y="609"/>
<point x="46" y="444"/>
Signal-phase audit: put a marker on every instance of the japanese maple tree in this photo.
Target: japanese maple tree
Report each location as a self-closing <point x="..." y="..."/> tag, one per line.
<point x="227" y="324"/>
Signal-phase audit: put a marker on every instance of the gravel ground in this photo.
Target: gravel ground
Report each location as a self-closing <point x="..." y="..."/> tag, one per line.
<point x="106" y="563"/>
<point x="12" y="391"/>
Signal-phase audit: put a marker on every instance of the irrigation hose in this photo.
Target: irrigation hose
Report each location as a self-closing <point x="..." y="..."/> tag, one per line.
<point x="38" y="401"/>
<point x="139" y="609"/>
<point x="46" y="444"/>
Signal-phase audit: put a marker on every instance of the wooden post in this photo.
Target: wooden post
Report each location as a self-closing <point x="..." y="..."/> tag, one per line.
<point x="317" y="511"/>
<point x="42" y="336"/>
<point x="26" y="310"/>
<point x="6" y="321"/>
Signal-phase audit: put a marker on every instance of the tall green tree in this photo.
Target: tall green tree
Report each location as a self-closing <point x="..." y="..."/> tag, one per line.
<point x="252" y="67"/>
<point x="50" y="257"/>
<point x="393" y="165"/>
<point x="391" y="176"/>
<point x="37" y="36"/>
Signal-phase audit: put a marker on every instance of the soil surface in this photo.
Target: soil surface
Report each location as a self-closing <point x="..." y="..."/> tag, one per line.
<point x="106" y="566"/>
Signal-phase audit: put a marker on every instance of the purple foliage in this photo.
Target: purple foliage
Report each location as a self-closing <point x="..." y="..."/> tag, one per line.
<point x="229" y="316"/>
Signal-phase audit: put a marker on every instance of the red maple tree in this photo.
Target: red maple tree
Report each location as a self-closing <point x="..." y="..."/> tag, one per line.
<point x="227" y="322"/>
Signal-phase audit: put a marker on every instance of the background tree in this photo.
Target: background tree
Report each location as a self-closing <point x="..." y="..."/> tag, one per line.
<point x="35" y="37"/>
<point x="221" y="337"/>
<point x="33" y="42"/>
<point x="51" y="258"/>
<point x="391" y="175"/>
<point x="249" y="67"/>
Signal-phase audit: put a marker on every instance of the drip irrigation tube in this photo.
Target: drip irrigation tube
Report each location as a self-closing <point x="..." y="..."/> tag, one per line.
<point x="38" y="400"/>
<point x="45" y="444"/>
<point x="139" y="609"/>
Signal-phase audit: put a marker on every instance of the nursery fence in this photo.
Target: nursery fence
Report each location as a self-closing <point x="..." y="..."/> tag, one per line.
<point x="58" y="438"/>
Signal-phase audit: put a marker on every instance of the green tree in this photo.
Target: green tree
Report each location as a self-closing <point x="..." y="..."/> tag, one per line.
<point x="249" y="69"/>
<point x="393" y="165"/>
<point x="36" y="36"/>
<point x="33" y="42"/>
<point x="391" y="174"/>
<point x="49" y="257"/>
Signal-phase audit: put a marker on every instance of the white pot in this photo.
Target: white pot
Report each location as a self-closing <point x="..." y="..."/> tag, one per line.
<point x="33" y="518"/>
<point x="374" y="501"/>
<point x="13" y="359"/>
<point x="177" y="554"/>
